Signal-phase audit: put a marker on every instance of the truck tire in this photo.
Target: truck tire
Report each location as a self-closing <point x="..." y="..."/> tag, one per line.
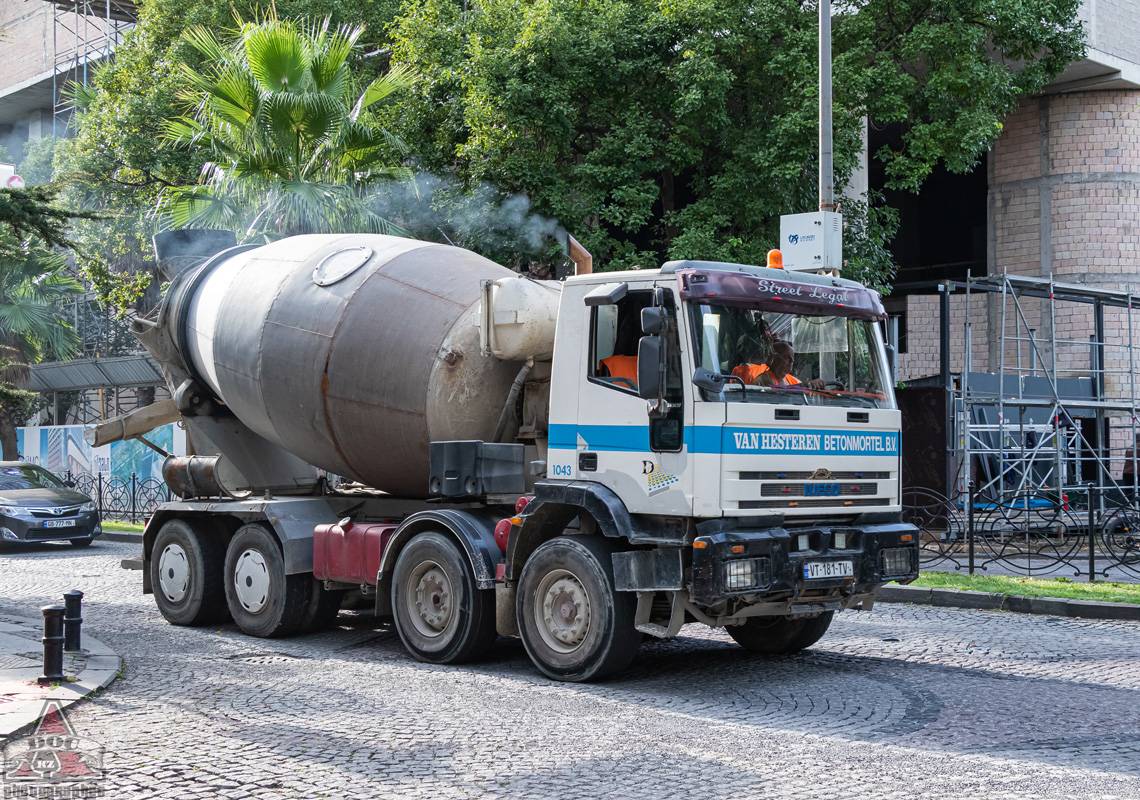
<point x="263" y="600"/>
<point x="573" y="624"/>
<point x="441" y="614"/>
<point x="186" y="566"/>
<point x="780" y="635"/>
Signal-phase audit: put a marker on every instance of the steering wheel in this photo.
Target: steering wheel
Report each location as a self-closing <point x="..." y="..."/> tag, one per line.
<point x="625" y="382"/>
<point x="837" y="385"/>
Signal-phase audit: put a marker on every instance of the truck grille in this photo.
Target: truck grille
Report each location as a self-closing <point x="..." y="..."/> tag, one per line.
<point x="815" y="503"/>
<point x="794" y="490"/>
<point x="806" y="476"/>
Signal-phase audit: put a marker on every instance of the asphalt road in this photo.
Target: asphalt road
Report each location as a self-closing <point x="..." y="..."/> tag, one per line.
<point x="900" y="702"/>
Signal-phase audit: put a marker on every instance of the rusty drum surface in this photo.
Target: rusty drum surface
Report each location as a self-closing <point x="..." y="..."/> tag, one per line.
<point x="353" y="352"/>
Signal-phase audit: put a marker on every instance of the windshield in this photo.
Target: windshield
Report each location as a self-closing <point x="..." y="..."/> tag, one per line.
<point x="801" y="359"/>
<point x="27" y="478"/>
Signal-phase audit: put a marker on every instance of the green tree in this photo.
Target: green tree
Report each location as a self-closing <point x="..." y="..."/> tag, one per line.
<point x="33" y="283"/>
<point x="284" y="122"/>
<point x="37" y="165"/>
<point x="112" y="162"/>
<point x="685" y="128"/>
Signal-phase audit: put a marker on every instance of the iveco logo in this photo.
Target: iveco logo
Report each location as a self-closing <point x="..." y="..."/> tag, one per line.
<point x="794" y="238"/>
<point x="821" y="475"/>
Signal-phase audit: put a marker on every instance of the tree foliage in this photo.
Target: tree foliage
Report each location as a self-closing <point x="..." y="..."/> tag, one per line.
<point x="287" y="130"/>
<point x="113" y="162"/>
<point x="658" y="129"/>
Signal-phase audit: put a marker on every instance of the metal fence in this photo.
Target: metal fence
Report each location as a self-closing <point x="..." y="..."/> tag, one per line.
<point x="1034" y="533"/>
<point x="130" y="499"/>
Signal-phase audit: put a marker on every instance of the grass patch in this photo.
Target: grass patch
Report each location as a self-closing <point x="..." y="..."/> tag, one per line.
<point x="122" y="527"/>
<point x="1067" y="588"/>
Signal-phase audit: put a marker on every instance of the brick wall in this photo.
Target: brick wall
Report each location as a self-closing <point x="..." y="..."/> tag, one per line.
<point x="27" y="51"/>
<point x="33" y="39"/>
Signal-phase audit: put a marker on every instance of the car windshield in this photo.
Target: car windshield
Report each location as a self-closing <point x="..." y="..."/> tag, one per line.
<point x="27" y="478"/>
<point x="789" y="358"/>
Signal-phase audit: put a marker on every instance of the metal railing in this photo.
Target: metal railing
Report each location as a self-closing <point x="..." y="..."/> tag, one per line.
<point x="126" y="499"/>
<point x="1035" y="533"/>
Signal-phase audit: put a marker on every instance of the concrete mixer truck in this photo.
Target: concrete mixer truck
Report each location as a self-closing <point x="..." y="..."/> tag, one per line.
<point x="578" y="463"/>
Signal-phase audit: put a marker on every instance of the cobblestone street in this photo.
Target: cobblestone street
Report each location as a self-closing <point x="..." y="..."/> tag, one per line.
<point x="903" y="701"/>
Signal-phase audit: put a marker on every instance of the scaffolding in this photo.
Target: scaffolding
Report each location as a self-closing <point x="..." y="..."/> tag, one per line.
<point x="85" y="33"/>
<point x="1041" y="464"/>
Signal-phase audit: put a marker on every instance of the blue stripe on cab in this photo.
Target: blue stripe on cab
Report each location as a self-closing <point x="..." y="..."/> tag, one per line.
<point x="717" y="439"/>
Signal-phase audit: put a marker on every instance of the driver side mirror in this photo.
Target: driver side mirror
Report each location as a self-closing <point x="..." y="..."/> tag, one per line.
<point x="709" y="381"/>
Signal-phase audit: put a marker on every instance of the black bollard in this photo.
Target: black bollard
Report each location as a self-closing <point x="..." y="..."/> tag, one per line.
<point x="53" y="645"/>
<point x="72" y="620"/>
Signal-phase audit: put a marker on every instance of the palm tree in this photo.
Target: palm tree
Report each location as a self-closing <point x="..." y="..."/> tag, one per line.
<point x="31" y="327"/>
<point x="278" y="111"/>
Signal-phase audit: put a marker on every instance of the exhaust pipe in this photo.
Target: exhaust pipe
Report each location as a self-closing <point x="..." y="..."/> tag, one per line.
<point x="583" y="261"/>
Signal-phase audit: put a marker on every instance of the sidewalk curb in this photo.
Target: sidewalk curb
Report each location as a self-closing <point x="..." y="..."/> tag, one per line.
<point x="102" y="667"/>
<point x="1050" y="606"/>
<point x="123" y="536"/>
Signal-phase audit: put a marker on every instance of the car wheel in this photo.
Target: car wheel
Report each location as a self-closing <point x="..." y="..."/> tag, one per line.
<point x="81" y="542"/>
<point x="262" y="599"/>
<point x="441" y="614"/>
<point x="780" y="635"/>
<point x="573" y="624"/>
<point x="186" y="573"/>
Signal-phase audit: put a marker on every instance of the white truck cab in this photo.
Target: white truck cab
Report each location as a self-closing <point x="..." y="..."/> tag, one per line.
<point x="737" y="426"/>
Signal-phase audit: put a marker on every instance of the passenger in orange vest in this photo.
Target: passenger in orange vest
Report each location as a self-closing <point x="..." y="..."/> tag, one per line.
<point x="776" y="372"/>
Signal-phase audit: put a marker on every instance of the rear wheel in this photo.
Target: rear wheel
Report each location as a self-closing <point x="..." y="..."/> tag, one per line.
<point x="441" y="614"/>
<point x="780" y="635"/>
<point x="186" y="566"/>
<point x="574" y="626"/>
<point x="263" y="600"/>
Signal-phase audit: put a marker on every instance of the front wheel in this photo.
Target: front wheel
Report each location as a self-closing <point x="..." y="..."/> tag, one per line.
<point x="775" y="636"/>
<point x="441" y="614"/>
<point x="263" y="600"/>
<point x="573" y="624"/>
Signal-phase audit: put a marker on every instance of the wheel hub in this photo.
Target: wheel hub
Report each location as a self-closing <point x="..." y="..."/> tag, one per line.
<point x="431" y="600"/>
<point x="565" y="611"/>
<point x="251" y="581"/>
<point x="174" y="573"/>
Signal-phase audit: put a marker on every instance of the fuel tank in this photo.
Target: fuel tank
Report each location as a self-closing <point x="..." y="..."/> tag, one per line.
<point x="353" y="352"/>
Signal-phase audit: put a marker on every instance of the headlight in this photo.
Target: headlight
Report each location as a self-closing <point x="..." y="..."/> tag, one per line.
<point x="897" y="561"/>
<point x="14" y="511"/>
<point x="746" y="573"/>
<point x="87" y="507"/>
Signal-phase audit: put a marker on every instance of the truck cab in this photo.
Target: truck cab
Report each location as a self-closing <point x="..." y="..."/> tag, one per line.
<point x="737" y="426"/>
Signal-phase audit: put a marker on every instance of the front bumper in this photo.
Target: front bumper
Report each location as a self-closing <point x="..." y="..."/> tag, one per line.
<point x="878" y="554"/>
<point x="24" y="528"/>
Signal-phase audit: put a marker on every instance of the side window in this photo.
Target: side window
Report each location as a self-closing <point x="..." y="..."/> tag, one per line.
<point x="614" y="333"/>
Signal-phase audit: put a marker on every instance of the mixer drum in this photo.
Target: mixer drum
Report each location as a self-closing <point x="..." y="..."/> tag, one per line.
<point x="353" y="352"/>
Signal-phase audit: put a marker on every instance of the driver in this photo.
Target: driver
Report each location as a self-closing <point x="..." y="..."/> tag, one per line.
<point x="776" y="371"/>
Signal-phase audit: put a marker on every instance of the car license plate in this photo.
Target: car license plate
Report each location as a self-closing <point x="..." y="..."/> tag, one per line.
<point x="59" y="523"/>
<point x="828" y="569"/>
